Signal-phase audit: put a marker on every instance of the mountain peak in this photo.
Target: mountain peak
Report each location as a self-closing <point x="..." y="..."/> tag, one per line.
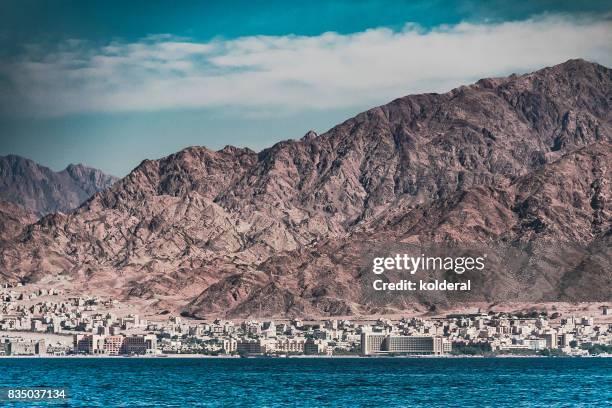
<point x="575" y="63"/>
<point x="310" y="135"/>
<point x="41" y="190"/>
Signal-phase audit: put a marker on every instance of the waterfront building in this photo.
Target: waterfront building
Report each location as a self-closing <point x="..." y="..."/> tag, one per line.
<point x="88" y="344"/>
<point x="373" y="344"/>
<point x="19" y="347"/>
<point x="551" y="338"/>
<point x="535" y="344"/>
<point x="290" y="345"/>
<point x="565" y="339"/>
<point x="230" y="345"/>
<point x="258" y="346"/>
<point x="139" y="344"/>
<point x="114" y="345"/>
<point x="315" y="346"/>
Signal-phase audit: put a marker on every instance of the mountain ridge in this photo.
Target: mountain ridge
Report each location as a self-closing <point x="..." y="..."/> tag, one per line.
<point x="240" y="233"/>
<point x="41" y="190"/>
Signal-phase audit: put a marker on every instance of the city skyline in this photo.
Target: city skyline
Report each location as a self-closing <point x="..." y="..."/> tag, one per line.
<point x="51" y="322"/>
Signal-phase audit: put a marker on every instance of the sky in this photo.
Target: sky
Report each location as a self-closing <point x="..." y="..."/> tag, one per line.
<point x="109" y="84"/>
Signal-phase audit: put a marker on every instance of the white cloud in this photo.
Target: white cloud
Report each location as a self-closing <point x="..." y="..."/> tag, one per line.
<point x="288" y="73"/>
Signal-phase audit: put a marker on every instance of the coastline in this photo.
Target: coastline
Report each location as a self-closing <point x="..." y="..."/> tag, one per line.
<point x="302" y="357"/>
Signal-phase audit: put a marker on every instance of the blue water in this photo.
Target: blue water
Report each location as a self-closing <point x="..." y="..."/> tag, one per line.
<point x="495" y="382"/>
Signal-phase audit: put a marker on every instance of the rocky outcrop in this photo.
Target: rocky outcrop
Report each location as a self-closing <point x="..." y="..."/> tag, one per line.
<point x="13" y="219"/>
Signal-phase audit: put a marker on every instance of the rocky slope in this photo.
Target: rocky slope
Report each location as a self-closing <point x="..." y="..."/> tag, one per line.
<point x="42" y="191"/>
<point x="13" y="219"/>
<point x="517" y="167"/>
<point x="547" y="235"/>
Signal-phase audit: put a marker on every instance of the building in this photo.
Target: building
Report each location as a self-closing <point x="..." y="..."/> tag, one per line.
<point x="565" y="339"/>
<point x="552" y="341"/>
<point x="15" y="347"/>
<point x="372" y="343"/>
<point x="114" y="345"/>
<point x="315" y="346"/>
<point x="380" y="344"/>
<point x="139" y="344"/>
<point x="260" y="346"/>
<point x="290" y="346"/>
<point x="88" y="344"/>
<point x="535" y="344"/>
<point x="230" y="345"/>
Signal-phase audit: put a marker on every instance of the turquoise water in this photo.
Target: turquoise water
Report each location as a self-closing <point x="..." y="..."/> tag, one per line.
<point x="427" y="382"/>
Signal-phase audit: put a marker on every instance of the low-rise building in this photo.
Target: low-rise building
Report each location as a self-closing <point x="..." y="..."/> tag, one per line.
<point x="114" y="345"/>
<point x="19" y="347"/>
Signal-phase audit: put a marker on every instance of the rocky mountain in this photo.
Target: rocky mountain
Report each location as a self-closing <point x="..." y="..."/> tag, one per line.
<point x="42" y="191"/>
<point x="13" y="219"/>
<point x="547" y="235"/>
<point x="514" y="167"/>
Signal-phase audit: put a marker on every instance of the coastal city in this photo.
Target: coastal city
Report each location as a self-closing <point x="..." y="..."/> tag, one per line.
<point x="43" y="322"/>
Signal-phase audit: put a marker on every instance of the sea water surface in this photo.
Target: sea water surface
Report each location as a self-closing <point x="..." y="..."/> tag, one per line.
<point x="316" y="382"/>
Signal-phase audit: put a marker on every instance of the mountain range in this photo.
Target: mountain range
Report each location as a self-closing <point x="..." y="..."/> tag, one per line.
<point x="515" y="167"/>
<point x="41" y="191"/>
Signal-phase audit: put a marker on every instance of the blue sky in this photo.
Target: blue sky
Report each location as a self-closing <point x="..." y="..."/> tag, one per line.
<point x="109" y="84"/>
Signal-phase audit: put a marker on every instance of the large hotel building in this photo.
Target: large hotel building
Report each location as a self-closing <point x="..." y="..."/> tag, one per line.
<point x="381" y="344"/>
<point x="114" y="345"/>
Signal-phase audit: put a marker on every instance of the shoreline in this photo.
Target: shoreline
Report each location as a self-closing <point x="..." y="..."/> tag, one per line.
<point x="305" y="357"/>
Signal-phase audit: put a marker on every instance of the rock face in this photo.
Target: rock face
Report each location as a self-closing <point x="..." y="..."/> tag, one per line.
<point x="42" y="191"/>
<point x="518" y="166"/>
<point x="13" y="219"/>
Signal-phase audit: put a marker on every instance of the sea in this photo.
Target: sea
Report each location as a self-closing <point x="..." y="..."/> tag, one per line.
<point x="314" y="382"/>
